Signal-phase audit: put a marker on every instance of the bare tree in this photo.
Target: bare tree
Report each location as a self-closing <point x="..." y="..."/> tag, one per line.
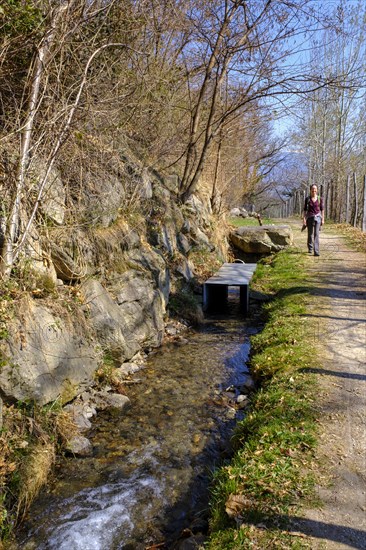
<point x="245" y="45"/>
<point x="47" y="113"/>
<point x="333" y="117"/>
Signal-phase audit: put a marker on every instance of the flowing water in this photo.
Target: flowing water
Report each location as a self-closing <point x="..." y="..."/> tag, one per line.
<point x="149" y="475"/>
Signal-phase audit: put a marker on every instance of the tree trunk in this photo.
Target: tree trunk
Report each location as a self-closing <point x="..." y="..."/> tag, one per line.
<point x="356" y="200"/>
<point x="347" y="197"/>
<point x="364" y="205"/>
<point x="216" y="176"/>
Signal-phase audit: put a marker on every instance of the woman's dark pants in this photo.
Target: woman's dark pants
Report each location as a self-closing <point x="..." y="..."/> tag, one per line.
<point x="313" y="225"/>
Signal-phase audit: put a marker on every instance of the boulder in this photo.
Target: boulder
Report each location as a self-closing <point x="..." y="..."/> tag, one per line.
<point x="126" y="369"/>
<point x="199" y="210"/>
<point x="239" y="212"/>
<point x="37" y="261"/>
<point x="116" y="401"/>
<point x="186" y="268"/>
<point x="262" y="240"/>
<point x="235" y="212"/>
<point x="52" y="356"/>
<point x="81" y="413"/>
<point x="183" y="243"/>
<point x="167" y="238"/>
<point x="200" y="239"/>
<point x="142" y="306"/>
<point x="104" y="399"/>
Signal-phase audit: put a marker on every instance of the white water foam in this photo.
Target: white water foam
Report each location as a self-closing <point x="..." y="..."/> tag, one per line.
<point x="97" y="519"/>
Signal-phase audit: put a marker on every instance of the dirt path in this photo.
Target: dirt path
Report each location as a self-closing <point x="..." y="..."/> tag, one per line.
<point x="338" y="314"/>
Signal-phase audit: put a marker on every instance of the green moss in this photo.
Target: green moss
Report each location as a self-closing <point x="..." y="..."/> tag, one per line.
<point x="19" y="17"/>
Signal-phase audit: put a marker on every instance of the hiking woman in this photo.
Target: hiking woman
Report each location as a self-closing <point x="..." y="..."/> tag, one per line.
<point x="313" y="218"/>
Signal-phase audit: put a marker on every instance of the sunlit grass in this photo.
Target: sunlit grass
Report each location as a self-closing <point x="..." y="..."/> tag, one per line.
<point x="271" y="469"/>
<point x="239" y="222"/>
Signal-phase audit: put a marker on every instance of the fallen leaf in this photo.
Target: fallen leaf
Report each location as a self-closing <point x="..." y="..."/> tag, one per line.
<point x="236" y="503"/>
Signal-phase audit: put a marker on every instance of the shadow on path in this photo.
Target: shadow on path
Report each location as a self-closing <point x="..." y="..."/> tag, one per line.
<point x="298" y="526"/>
<point x="318" y="316"/>
<point x="350" y="375"/>
<point x="354" y="538"/>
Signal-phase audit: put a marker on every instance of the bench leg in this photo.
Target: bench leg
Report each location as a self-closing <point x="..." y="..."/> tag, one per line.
<point x="244" y="298"/>
<point x="214" y="297"/>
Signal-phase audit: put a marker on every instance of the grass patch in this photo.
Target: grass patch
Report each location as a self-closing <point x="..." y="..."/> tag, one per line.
<point x="239" y="222"/>
<point x="254" y="496"/>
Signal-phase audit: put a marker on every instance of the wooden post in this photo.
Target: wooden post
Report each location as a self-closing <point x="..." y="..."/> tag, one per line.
<point x="356" y="199"/>
<point x="347" y="198"/>
<point x="364" y="205"/>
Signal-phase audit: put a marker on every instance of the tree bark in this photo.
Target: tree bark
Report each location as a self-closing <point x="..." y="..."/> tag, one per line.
<point x="355" y="199"/>
<point x="347" y="197"/>
<point x="364" y="205"/>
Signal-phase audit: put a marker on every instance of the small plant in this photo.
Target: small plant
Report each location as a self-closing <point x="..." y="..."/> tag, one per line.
<point x="106" y="375"/>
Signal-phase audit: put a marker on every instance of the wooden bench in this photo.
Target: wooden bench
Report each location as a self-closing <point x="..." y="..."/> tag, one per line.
<point x="215" y="289"/>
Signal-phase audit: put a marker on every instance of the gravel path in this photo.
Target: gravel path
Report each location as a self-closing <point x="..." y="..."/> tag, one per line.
<point x="338" y="315"/>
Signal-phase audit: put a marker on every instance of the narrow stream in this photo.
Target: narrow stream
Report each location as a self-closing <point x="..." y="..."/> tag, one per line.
<point x="149" y="475"/>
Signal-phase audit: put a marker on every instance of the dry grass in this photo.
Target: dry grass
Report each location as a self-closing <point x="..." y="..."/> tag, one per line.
<point x="28" y="444"/>
<point x="65" y="427"/>
<point x="355" y="236"/>
<point x="34" y="474"/>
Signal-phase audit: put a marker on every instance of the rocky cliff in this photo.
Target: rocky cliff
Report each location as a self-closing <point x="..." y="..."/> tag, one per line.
<point x="97" y="278"/>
